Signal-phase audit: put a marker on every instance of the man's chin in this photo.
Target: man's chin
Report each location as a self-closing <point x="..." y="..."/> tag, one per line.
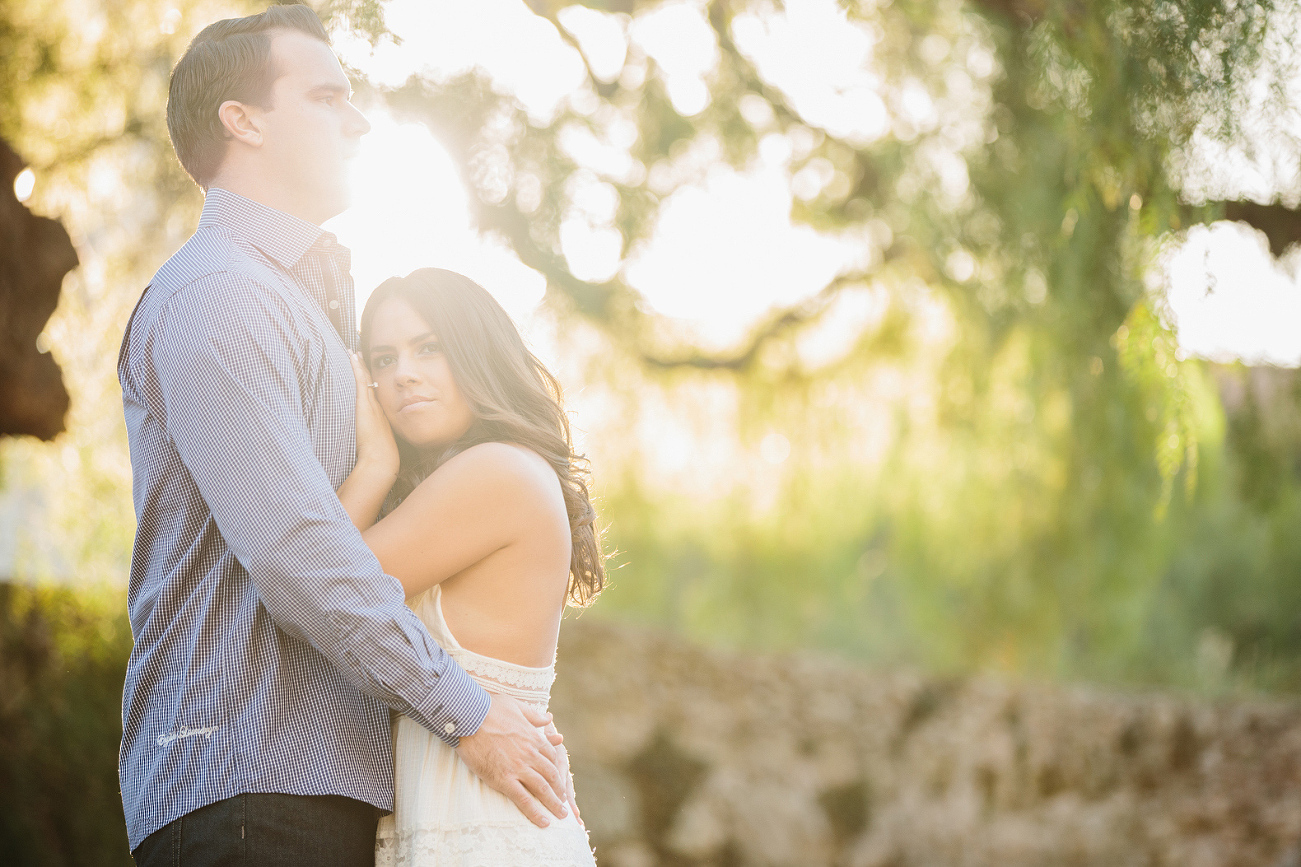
<point x="335" y="204"/>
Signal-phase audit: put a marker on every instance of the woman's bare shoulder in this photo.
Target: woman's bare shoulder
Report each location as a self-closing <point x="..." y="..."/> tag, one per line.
<point x="503" y="471"/>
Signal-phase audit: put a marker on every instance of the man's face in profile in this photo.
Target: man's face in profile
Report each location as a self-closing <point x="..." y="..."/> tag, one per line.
<point x="311" y="129"/>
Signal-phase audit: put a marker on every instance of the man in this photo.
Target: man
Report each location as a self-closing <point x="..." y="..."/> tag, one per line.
<point x="269" y="643"/>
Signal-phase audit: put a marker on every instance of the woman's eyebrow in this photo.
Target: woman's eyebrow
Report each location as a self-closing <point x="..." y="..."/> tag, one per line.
<point x="419" y="338"/>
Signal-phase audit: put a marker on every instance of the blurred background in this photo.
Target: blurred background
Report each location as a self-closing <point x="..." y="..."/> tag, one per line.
<point x="955" y="336"/>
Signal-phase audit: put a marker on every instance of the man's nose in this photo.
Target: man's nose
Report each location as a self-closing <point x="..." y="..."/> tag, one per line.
<point x="357" y="123"/>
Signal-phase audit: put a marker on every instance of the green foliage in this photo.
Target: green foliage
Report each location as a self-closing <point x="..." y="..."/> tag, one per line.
<point x="1007" y="466"/>
<point x="1033" y="520"/>
<point x="62" y="658"/>
<point x="1235" y="559"/>
<point x="925" y="565"/>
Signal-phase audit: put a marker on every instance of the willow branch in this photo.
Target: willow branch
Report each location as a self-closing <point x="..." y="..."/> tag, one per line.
<point x="612" y="305"/>
<point x="606" y="89"/>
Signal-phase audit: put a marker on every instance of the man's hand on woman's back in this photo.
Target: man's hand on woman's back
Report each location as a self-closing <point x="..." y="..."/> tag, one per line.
<point x="511" y="753"/>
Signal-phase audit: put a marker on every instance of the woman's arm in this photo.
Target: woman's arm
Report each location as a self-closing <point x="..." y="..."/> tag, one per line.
<point x="363" y="492"/>
<point x="476" y="503"/>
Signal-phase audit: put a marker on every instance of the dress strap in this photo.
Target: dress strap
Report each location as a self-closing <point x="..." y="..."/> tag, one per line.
<point x="528" y="684"/>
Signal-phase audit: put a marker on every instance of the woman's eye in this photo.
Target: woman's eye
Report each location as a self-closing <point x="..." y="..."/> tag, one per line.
<point x="381" y="361"/>
<point x="431" y="347"/>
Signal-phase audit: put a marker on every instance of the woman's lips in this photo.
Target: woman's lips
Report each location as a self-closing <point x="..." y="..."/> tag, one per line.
<point x="416" y="403"/>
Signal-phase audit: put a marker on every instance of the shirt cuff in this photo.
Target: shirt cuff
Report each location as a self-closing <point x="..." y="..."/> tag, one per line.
<point x="455" y="708"/>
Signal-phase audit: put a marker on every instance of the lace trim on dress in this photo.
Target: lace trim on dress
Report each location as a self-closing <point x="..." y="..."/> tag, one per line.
<point x="485" y="845"/>
<point x="539" y="679"/>
<point x="531" y="686"/>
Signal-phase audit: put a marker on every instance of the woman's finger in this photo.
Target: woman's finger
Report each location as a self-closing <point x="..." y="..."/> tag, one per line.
<point x="359" y="371"/>
<point x="362" y="375"/>
<point x="553" y="735"/>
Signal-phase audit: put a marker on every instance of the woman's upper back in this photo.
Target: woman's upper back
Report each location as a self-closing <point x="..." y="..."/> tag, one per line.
<point x="490" y="526"/>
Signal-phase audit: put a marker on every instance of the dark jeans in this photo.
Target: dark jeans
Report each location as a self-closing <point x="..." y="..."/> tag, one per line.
<point x="267" y="830"/>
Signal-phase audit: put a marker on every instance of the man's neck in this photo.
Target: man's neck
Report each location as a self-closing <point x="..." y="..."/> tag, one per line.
<point x="269" y="194"/>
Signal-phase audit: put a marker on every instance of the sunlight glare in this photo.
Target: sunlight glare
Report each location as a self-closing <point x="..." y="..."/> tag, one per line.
<point x="726" y="252"/>
<point x="775" y="448"/>
<point x="611" y="157"/>
<point x="409" y="211"/>
<point x="679" y="39"/>
<point x="521" y="53"/>
<point x="603" y="38"/>
<point x="24" y="184"/>
<point x="1230" y="300"/>
<point x="593" y="253"/>
<point x="821" y="61"/>
<point x="853" y="314"/>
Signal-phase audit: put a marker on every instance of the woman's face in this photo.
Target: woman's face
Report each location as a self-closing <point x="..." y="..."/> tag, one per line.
<point x="416" y="388"/>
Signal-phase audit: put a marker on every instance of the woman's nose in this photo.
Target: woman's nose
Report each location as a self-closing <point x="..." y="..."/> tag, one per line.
<point x="404" y="372"/>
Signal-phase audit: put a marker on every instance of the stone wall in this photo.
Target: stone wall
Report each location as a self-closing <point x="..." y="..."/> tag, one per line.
<point x="689" y="757"/>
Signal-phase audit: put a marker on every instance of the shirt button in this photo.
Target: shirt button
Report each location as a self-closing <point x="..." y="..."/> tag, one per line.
<point x="334" y="305"/>
<point x="450" y="727"/>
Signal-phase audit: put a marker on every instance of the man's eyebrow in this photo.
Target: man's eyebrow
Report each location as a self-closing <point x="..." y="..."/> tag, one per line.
<point x="344" y="90"/>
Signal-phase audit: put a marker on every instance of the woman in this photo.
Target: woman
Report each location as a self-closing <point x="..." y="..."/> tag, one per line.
<point x="489" y="527"/>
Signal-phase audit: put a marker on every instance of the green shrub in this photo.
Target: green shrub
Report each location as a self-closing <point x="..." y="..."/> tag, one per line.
<point x="63" y="655"/>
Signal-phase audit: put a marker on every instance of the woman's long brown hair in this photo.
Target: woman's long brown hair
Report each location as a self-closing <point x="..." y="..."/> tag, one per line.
<point x="515" y="399"/>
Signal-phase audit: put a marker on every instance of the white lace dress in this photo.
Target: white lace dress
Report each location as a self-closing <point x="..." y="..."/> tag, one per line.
<point x="444" y="815"/>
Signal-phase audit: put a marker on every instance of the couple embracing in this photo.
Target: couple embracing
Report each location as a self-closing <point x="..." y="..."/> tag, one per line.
<point x="335" y="526"/>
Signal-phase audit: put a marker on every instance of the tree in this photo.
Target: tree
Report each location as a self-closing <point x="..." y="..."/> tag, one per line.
<point x="1021" y="161"/>
<point x="87" y="84"/>
<point x="1009" y="171"/>
<point x="37" y="254"/>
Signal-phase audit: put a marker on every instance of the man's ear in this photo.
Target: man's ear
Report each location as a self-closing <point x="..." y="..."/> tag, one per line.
<point x="241" y="122"/>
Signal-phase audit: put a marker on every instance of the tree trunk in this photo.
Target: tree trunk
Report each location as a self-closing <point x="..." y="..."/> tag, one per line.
<point x="35" y="254"/>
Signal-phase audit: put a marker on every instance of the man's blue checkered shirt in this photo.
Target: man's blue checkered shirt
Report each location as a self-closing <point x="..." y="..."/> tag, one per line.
<point x="269" y="643"/>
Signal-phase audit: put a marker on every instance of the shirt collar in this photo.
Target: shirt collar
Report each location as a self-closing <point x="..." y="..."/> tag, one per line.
<point x="282" y="237"/>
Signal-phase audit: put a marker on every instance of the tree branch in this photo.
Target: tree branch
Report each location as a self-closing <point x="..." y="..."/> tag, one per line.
<point x="606" y="89"/>
<point x="1281" y="224"/>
